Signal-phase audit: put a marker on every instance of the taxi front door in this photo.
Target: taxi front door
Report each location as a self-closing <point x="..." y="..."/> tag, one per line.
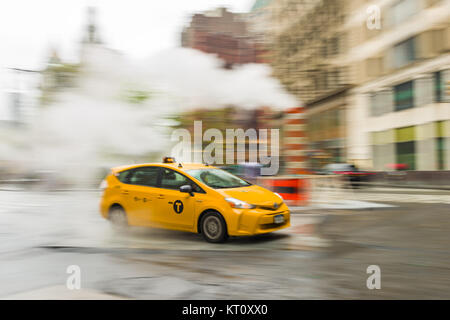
<point x="175" y="209"/>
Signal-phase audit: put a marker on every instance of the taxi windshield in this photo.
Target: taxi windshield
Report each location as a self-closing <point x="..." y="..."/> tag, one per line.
<point x="218" y="179"/>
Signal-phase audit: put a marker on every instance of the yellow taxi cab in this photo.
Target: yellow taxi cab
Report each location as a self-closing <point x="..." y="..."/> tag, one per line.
<point x="190" y="197"/>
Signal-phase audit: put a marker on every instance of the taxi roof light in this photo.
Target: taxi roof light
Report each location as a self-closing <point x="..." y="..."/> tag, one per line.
<point x="168" y="160"/>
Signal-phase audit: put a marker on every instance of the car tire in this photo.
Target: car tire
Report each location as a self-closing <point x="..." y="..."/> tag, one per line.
<point x="118" y="217"/>
<point x="214" y="227"/>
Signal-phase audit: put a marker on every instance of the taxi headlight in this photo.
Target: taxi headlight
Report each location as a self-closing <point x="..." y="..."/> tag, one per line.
<point x="239" y="204"/>
<point x="279" y="196"/>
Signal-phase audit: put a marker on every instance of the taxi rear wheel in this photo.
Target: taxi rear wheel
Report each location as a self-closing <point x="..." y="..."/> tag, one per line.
<point x="213" y="227"/>
<point x="118" y="217"/>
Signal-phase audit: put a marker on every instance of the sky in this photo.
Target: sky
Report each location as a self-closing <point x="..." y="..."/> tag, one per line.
<point x="30" y="29"/>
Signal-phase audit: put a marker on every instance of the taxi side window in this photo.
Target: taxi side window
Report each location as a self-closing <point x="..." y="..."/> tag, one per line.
<point x="146" y="176"/>
<point x="174" y="180"/>
<point x="123" y="176"/>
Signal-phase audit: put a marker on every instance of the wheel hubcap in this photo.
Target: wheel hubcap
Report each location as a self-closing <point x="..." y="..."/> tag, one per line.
<point x="118" y="218"/>
<point x="212" y="227"/>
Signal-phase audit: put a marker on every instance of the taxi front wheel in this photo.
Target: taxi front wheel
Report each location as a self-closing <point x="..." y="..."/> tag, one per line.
<point x="214" y="228"/>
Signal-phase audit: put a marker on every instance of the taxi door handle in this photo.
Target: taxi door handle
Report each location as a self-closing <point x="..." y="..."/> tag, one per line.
<point x="125" y="192"/>
<point x="161" y="196"/>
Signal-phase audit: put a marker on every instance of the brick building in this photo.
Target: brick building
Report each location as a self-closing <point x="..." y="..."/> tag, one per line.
<point x="222" y="33"/>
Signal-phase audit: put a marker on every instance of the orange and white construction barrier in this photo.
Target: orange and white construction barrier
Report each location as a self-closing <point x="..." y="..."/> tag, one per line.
<point x="293" y="189"/>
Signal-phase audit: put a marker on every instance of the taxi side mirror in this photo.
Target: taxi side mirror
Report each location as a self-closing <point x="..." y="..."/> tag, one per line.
<point x="187" y="189"/>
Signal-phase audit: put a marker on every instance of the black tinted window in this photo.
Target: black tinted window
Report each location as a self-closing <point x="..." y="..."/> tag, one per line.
<point x="218" y="179"/>
<point x="123" y="176"/>
<point x="173" y="180"/>
<point x="147" y="176"/>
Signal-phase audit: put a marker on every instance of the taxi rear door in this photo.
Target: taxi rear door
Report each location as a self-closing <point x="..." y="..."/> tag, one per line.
<point x="139" y="195"/>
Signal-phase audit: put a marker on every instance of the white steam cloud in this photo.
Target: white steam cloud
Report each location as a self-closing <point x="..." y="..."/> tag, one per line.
<point x="86" y="124"/>
<point x="200" y="81"/>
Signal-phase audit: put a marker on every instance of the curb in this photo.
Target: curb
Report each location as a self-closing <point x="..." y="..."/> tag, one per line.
<point x="62" y="293"/>
<point x="401" y="186"/>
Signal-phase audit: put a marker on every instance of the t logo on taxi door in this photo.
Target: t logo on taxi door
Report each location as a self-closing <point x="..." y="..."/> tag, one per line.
<point x="178" y="206"/>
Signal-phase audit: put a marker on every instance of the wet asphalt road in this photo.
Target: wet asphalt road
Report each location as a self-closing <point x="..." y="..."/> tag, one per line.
<point x="323" y="256"/>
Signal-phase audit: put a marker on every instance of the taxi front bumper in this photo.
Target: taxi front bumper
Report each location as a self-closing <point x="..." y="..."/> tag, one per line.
<point x="254" y="221"/>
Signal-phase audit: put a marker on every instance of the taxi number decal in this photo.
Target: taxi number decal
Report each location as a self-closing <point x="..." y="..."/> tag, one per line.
<point x="178" y="206"/>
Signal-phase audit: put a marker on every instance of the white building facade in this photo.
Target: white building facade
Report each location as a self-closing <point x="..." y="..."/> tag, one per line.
<point x="399" y="110"/>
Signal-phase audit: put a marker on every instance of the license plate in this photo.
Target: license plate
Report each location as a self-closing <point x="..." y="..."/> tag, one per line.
<point x="278" y="218"/>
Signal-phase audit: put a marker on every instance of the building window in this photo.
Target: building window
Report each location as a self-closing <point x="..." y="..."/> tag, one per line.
<point x="404" y="96"/>
<point x="334" y="46"/>
<point x="404" y="53"/>
<point x="402" y="10"/>
<point x="377" y="104"/>
<point x="440" y="145"/>
<point x="406" y="154"/>
<point x="373" y="105"/>
<point x="438" y="87"/>
<point x="440" y="148"/>
<point x="406" y="147"/>
<point x="324" y="49"/>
